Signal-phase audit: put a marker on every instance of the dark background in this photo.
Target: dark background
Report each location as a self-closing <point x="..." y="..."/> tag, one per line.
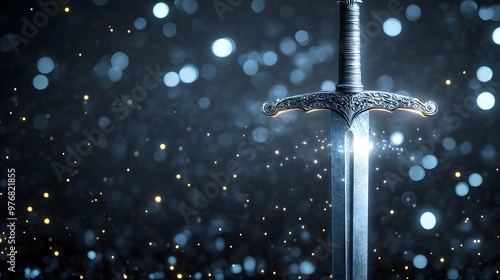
<point x="104" y="221"/>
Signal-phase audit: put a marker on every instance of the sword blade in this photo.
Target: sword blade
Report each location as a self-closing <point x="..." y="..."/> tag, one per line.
<point x="350" y="150"/>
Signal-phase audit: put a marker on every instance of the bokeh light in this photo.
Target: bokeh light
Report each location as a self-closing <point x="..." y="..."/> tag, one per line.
<point x="161" y="10"/>
<point x="260" y="134"/>
<point x="250" y="67"/>
<point x="496" y="36"/>
<point x="429" y="162"/>
<point x="188" y="74"/>
<point x="269" y="58"/>
<point x="468" y="7"/>
<point x="169" y="29"/>
<point x="465" y="148"/>
<point x="258" y="5"/>
<point x="249" y="264"/>
<point x="40" y="122"/>
<point x="449" y="143"/>
<point x="416" y="173"/>
<point x="236" y="268"/>
<point x="486" y="13"/>
<point x="115" y="74"/>
<point x="475" y="179"/>
<point x="307" y="268"/>
<point x="327" y="85"/>
<point x="428" y="220"/>
<point x="288" y="46"/>
<point x="190" y="6"/>
<point x="302" y="37"/>
<point x="385" y="83"/>
<point x="119" y="60"/>
<point x="420" y="261"/>
<point x="171" y="79"/>
<point x="462" y="189"/>
<point x="91" y="255"/>
<point x="485" y="101"/>
<point x="223" y="47"/>
<point x="45" y="65"/>
<point x="40" y="82"/>
<point x="484" y="74"/>
<point x="204" y="102"/>
<point x="452" y="274"/>
<point x="392" y="27"/>
<point x="397" y="138"/>
<point x="413" y="12"/>
<point x="140" y="23"/>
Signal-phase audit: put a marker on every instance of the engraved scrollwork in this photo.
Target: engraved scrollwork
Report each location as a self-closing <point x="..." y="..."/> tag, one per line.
<point x="349" y="105"/>
<point x="392" y="101"/>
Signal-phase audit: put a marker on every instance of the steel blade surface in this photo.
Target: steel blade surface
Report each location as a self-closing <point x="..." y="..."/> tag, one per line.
<point x="350" y="151"/>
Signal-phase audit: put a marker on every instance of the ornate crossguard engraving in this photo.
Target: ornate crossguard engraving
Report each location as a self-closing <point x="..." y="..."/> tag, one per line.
<point x="349" y="105"/>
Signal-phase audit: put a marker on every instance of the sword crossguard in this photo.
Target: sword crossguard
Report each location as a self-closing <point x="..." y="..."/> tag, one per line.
<point x="349" y="105"/>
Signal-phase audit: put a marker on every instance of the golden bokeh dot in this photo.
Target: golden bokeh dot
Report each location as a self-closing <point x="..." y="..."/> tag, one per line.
<point x="179" y="276"/>
<point x="178" y="176"/>
<point x="457" y="174"/>
<point x="56" y="253"/>
<point x="163" y="146"/>
<point x="158" y="199"/>
<point x="66" y="9"/>
<point x="85" y="97"/>
<point x="448" y="82"/>
<point x="46" y="194"/>
<point x="46" y="221"/>
<point x="30" y="209"/>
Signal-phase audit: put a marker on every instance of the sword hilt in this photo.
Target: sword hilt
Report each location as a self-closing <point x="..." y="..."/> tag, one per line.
<point x="349" y="47"/>
<point x="349" y="99"/>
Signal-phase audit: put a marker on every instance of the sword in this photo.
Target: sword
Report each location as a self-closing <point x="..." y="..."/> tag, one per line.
<point x="349" y="104"/>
